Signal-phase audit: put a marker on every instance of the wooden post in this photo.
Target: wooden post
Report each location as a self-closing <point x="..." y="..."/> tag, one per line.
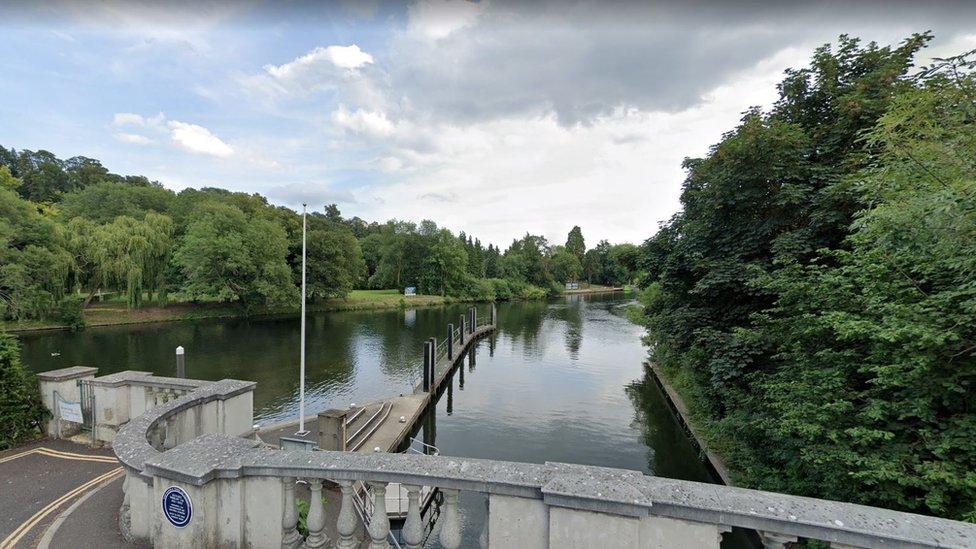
<point x="450" y="342"/>
<point x="461" y="331"/>
<point x="433" y="361"/>
<point x="426" y="366"/>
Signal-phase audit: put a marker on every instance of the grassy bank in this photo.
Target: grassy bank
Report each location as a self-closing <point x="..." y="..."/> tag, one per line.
<point x="115" y="312"/>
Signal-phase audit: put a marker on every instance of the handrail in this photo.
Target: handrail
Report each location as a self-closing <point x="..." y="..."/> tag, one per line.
<point x="425" y="445"/>
<point x="588" y="488"/>
<point x="387" y="406"/>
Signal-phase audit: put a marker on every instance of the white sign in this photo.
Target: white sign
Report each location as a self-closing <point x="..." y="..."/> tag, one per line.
<point x="70" y="411"/>
<point x="410" y="290"/>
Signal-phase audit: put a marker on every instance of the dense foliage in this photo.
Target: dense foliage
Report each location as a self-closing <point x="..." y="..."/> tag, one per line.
<point x="819" y="287"/>
<point x="71" y="230"/>
<point x="20" y="403"/>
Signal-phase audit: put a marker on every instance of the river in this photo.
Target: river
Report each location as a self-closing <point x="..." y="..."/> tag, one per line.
<point x="561" y="380"/>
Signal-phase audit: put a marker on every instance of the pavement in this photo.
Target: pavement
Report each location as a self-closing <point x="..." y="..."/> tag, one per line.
<point x="56" y="493"/>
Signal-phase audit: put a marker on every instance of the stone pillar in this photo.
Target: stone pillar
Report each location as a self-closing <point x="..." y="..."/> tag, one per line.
<point x="65" y="382"/>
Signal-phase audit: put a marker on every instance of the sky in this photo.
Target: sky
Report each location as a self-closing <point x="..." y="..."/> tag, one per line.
<point x="495" y="118"/>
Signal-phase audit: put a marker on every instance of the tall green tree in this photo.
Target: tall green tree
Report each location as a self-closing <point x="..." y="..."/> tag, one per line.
<point x="226" y="256"/>
<point x="575" y="243"/>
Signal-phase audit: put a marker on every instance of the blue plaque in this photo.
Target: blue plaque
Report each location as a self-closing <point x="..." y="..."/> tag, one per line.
<point x="177" y="506"/>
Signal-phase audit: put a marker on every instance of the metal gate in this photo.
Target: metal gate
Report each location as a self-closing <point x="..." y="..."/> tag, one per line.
<point x="87" y="403"/>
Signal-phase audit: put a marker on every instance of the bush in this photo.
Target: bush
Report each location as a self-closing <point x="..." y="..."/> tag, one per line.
<point x="21" y="411"/>
<point x="71" y="313"/>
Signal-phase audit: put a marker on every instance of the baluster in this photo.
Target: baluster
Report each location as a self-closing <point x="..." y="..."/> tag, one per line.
<point x="772" y="540"/>
<point x="413" y="528"/>
<point x="379" y="523"/>
<point x="346" y="525"/>
<point x="316" y="516"/>
<point x="483" y="538"/>
<point x="290" y="538"/>
<point x="169" y="440"/>
<point x="450" y="526"/>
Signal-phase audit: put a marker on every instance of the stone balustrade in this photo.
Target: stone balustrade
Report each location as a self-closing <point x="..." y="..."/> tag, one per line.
<point x="243" y="494"/>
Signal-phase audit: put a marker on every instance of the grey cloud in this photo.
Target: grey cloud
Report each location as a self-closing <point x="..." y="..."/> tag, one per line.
<point x="295" y="194"/>
<point x="585" y="60"/>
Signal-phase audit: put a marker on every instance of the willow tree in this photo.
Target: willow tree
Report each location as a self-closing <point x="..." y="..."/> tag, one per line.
<point x="133" y="254"/>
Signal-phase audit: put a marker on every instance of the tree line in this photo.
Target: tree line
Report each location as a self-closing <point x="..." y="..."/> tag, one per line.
<point x="70" y="229"/>
<point x="815" y="298"/>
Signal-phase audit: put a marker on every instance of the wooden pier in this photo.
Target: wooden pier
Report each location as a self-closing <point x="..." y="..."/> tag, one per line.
<point x="377" y="426"/>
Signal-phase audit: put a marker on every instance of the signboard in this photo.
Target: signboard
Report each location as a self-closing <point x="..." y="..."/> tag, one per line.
<point x="572" y="285"/>
<point x="410" y="290"/>
<point x="69" y="411"/>
<point x="177" y="506"/>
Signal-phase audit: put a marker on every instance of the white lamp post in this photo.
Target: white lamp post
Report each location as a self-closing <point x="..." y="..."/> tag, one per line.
<point x="301" y="390"/>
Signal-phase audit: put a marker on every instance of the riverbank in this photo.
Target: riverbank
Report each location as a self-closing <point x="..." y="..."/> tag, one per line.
<point x="114" y="313"/>
<point x="684" y="414"/>
<point x="594" y="289"/>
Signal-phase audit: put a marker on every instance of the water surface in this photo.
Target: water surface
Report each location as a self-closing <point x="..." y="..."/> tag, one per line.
<point x="561" y="380"/>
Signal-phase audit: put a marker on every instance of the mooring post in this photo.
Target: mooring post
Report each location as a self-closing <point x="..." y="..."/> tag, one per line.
<point x="180" y="362"/>
<point x="492" y="313"/>
<point x="450" y="342"/>
<point x="474" y="318"/>
<point x="426" y="366"/>
<point x="461" y="332"/>
<point x="433" y="361"/>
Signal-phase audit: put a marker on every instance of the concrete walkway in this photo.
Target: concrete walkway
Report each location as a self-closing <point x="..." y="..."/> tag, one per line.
<point x="56" y="493"/>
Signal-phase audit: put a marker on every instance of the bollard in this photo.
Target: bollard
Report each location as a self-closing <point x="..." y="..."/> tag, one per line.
<point x="461" y="331"/>
<point x="474" y="318"/>
<point x="491" y="313"/>
<point x="450" y="342"/>
<point x="426" y="367"/>
<point x="180" y="362"/>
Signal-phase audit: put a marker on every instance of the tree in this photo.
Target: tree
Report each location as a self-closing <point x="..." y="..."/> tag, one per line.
<point x="817" y="290"/>
<point x="335" y="263"/>
<point x="103" y="202"/>
<point x="565" y="265"/>
<point x="444" y="267"/>
<point x="575" y="243"/>
<point x="226" y="256"/>
<point x="21" y="411"/>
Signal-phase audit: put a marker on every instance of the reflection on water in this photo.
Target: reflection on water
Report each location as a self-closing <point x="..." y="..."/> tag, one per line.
<point x="559" y="380"/>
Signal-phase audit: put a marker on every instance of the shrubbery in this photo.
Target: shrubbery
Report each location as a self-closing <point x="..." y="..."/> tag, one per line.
<point x="21" y="411"/>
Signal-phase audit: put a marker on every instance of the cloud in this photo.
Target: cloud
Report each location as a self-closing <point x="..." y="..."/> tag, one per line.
<point x="369" y="123"/>
<point x="198" y="139"/>
<point x="436" y="19"/>
<point x="121" y="119"/>
<point x="296" y="194"/>
<point x="132" y="138"/>
<point x="345" y="57"/>
<point x="346" y="68"/>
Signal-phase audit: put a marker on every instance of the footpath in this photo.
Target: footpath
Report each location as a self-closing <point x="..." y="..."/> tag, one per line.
<point x="56" y="493"/>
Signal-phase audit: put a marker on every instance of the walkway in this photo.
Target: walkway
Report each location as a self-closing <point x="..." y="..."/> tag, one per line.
<point x="56" y="493"/>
